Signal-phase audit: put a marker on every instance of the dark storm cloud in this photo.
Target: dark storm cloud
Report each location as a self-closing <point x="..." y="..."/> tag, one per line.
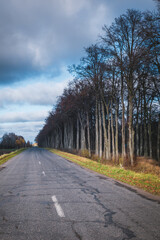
<point x="39" y="36"/>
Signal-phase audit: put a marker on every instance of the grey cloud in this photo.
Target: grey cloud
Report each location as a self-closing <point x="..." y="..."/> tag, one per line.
<point x="36" y="35"/>
<point x="38" y="93"/>
<point x="22" y="117"/>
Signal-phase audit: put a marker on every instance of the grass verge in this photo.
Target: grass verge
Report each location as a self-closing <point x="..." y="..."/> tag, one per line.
<point x="5" y="157"/>
<point x="148" y="182"/>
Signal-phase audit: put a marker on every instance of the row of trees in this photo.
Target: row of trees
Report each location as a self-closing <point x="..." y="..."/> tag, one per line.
<point x="12" y="141"/>
<point x="112" y="107"/>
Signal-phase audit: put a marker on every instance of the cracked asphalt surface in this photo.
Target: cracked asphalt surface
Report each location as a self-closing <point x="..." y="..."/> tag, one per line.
<point x="95" y="207"/>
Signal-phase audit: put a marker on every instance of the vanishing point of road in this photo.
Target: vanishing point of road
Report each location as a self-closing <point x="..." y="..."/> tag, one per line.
<point x="46" y="197"/>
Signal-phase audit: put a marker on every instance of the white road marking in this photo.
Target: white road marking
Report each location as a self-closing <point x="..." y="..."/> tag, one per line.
<point x="58" y="207"/>
<point x="43" y="173"/>
<point x="39" y="163"/>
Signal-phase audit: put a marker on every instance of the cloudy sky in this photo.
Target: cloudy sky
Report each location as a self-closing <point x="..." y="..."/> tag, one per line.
<point x="38" y="40"/>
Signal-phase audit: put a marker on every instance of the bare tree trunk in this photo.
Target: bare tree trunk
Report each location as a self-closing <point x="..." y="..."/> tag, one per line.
<point x="56" y="138"/>
<point x="100" y="130"/>
<point x="141" y="130"/>
<point x="109" y="135"/>
<point x="150" y="140"/>
<point x="131" y="132"/>
<point x="116" y="140"/>
<point x="145" y="128"/>
<point x="109" y="132"/>
<point x="141" y="139"/>
<point x="47" y="142"/>
<point x="70" y="134"/>
<point x="61" y="142"/>
<point x="105" y="133"/>
<point x="77" y="137"/>
<point x="123" y="130"/>
<point x="88" y="135"/>
<point x="137" y="138"/>
<point x="65" y="136"/>
<point x="150" y="134"/>
<point x="137" y="128"/>
<point x="158" y="140"/>
<point x="52" y="140"/>
<point x="96" y="130"/>
<point x="145" y="139"/>
<point x="83" y="140"/>
<point x="112" y="128"/>
<point x="127" y="132"/>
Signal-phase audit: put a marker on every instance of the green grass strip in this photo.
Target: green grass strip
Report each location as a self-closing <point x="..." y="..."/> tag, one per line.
<point x="148" y="182"/>
<point x="4" y="158"/>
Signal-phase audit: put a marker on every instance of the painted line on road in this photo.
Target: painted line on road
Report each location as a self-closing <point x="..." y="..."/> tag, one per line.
<point x="39" y="163"/>
<point x="43" y="173"/>
<point x="58" y="207"/>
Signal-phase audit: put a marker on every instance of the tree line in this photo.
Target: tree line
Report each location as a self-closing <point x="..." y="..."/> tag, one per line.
<point x="12" y="141"/>
<point x="112" y="107"/>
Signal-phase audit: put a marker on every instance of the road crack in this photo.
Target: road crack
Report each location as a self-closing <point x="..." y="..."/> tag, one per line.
<point x="108" y="214"/>
<point x="78" y="236"/>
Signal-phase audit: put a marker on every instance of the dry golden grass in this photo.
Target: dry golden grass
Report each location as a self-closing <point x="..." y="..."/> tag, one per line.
<point x="147" y="165"/>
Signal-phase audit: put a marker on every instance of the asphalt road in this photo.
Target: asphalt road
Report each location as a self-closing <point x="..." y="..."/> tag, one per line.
<point x="45" y="197"/>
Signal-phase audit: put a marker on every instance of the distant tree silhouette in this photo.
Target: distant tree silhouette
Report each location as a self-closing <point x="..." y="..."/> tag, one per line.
<point x="11" y="141"/>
